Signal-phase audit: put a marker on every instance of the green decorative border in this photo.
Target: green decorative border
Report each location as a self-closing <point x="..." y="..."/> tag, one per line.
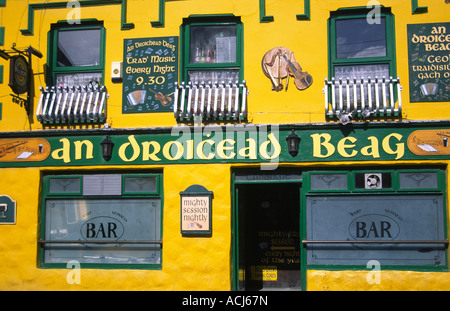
<point x="160" y="23"/>
<point x="263" y="18"/>
<point x="29" y="31"/>
<point x="416" y="9"/>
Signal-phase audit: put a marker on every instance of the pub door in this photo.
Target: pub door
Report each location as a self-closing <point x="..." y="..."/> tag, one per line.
<point x="268" y="238"/>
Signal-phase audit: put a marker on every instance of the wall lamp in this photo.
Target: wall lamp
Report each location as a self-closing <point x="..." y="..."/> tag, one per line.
<point x="107" y="147"/>
<point x="293" y="142"/>
<point x="33" y="51"/>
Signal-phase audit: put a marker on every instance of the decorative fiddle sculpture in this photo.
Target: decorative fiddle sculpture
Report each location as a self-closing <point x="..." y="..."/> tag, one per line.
<point x="279" y="63"/>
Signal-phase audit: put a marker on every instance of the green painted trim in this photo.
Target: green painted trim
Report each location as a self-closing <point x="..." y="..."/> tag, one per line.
<point x="29" y="31"/>
<point x="45" y="182"/>
<point x="2" y="36"/>
<point x="2" y="3"/>
<point x="416" y="9"/>
<point x="263" y="18"/>
<point x="306" y="16"/>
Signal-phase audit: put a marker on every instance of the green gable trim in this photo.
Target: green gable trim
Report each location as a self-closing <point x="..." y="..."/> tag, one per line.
<point x="29" y="31"/>
<point x="160" y="23"/>
<point x="263" y="18"/>
<point x="416" y="9"/>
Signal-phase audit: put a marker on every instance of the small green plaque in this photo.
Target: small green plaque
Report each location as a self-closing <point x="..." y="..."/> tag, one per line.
<point x="7" y="210"/>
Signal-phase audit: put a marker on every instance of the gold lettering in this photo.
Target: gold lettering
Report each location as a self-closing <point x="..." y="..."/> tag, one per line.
<point x="250" y="151"/>
<point x="341" y="146"/>
<point x="200" y="153"/>
<point x="167" y="147"/>
<point x="221" y="147"/>
<point x="372" y="149"/>
<point x="275" y="146"/>
<point x="78" y="148"/>
<point x="146" y="155"/>
<point x="317" y="145"/>
<point x="400" y="151"/>
<point x="64" y="152"/>
<point x="134" y="146"/>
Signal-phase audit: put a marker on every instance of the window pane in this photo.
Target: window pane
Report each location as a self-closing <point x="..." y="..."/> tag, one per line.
<point x="329" y="182"/>
<point x="140" y="184"/>
<point x="361" y="71"/>
<point x="79" y="79"/>
<point x="106" y="221"/>
<point x="78" y="48"/>
<point x="64" y="185"/>
<point x="417" y="180"/>
<point x="213" y="44"/>
<point x="356" y="38"/>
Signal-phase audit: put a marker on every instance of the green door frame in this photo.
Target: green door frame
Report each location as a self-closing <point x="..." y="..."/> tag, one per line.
<point x="235" y="226"/>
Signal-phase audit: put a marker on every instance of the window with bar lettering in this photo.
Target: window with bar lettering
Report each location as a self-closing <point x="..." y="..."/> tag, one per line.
<point x="111" y="220"/>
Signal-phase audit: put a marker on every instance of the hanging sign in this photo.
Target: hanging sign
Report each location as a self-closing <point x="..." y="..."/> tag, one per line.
<point x="429" y="62"/>
<point x="196" y="216"/>
<point x="18" y="74"/>
<point x="150" y="71"/>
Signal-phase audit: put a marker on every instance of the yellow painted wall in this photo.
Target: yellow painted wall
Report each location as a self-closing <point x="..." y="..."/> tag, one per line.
<point x="307" y="39"/>
<point x="195" y="263"/>
<point x="188" y="263"/>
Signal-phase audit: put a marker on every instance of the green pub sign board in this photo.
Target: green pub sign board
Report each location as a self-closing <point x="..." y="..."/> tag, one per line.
<point x="150" y="71"/>
<point x="429" y="62"/>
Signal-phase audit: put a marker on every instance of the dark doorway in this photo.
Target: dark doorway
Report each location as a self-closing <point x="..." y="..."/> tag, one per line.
<point x="269" y="236"/>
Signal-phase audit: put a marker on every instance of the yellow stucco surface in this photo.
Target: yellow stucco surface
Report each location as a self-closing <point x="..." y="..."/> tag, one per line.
<point x="195" y="263"/>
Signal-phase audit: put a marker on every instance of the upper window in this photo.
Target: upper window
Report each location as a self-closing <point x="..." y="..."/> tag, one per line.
<point x="212" y="50"/>
<point x="362" y="80"/>
<point x="212" y="85"/>
<point x="361" y="44"/>
<point x="75" y="92"/>
<point x="77" y="54"/>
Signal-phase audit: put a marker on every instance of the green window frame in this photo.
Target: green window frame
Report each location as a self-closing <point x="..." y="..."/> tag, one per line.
<point x="324" y="192"/>
<point x="378" y="14"/>
<point x="188" y="64"/>
<point x="106" y="220"/>
<point x="56" y="32"/>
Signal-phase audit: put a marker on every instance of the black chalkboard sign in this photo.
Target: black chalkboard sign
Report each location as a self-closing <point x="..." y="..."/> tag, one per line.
<point x="429" y="62"/>
<point x="150" y="70"/>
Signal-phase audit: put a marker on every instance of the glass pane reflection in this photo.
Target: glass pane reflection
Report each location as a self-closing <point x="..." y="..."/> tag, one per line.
<point x="356" y="38"/>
